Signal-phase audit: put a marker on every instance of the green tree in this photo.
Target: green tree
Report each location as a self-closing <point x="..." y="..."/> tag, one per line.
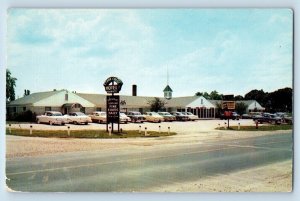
<point x="238" y="97"/>
<point x="199" y="94"/>
<point x="214" y="95"/>
<point x="281" y="100"/>
<point x="241" y="108"/>
<point x="258" y="95"/>
<point x="204" y="94"/>
<point x="10" y="86"/>
<point x="157" y="104"/>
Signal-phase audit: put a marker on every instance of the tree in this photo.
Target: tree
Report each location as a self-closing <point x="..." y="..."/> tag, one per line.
<point x="214" y="95"/>
<point x="157" y="104"/>
<point x="238" y="97"/>
<point x="241" y="108"/>
<point x="10" y="86"/>
<point x="205" y="95"/>
<point x="258" y="95"/>
<point x="199" y="94"/>
<point x="281" y="100"/>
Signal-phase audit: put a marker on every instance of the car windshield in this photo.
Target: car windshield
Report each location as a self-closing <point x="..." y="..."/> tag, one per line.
<point x="164" y="113"/>
<point x="189" y="113"/>
<point x="56" y="114"/>
<point x="80" y="114"/>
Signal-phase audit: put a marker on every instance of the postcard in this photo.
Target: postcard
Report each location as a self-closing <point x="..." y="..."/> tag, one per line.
<point x="149" y="100"/>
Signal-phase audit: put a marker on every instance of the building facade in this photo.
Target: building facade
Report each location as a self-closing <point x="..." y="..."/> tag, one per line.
<point x="65" y="102"/>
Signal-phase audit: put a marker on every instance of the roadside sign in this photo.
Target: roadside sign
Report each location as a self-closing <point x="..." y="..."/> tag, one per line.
<point x="228" y="105"/>
<point x="113" y="109"/>
<point x="113" y="85"/>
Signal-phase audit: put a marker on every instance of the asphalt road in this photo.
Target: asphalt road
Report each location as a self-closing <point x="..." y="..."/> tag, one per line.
<point x="141" y="169"/>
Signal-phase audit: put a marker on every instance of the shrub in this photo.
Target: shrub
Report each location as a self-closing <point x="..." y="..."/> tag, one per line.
<point x="27" y="116"/>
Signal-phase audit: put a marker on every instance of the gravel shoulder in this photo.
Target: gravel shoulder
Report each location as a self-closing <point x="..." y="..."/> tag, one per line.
<point x="275" y="177"/>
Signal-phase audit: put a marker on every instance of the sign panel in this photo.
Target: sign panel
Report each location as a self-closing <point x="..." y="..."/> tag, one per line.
<point x="113" y="85"/>
<point x="228" y="105"/>
<point x="112" y="109"/>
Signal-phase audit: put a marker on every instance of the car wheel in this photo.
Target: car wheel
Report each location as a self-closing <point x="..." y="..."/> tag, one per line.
<point x="50" y="123"/>
<point x="86" y="123"/>
<point x="100" y="122"/>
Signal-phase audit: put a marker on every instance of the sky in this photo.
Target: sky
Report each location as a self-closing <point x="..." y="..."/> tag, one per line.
<point x="231" y="51"/>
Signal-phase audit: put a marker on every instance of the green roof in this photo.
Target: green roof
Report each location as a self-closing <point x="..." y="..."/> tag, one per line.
<point x="33" y="98"/>
<point x="168" y="88"/>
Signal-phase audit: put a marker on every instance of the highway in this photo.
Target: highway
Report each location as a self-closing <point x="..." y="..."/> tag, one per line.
<point x="137" y="169"/>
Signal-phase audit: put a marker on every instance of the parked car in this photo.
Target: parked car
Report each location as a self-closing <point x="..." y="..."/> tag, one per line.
<point x="267" y="118"/>
<point x="180" y="117"/>
<point x="124" y="118"/>
<point x="230" y="115"/>
<point x="246" y="116"/>
<point x="99" y="117"/>
<point x="153" y="117"/>
<point x="52" y="117"/>
<point x="78" y="118"/>
<point x="191" y="116"/>
<point x="167" y="116"/>
<point x="136" y="117"/>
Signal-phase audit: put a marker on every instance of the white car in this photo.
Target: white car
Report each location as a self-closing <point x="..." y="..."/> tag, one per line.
<point x="124" y="118"/>
<point x="99" y="117"/>
<point x="153" y="117"/>
<point x="191" y="116"/>
<point x="52" y="117"/>
<point x="78" y="118"/>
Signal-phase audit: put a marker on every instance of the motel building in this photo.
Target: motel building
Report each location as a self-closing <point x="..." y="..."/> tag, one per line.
<point x="65" y="102"/>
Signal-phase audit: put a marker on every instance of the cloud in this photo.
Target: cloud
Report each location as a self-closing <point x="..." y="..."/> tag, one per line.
<point x="79" y="49"/>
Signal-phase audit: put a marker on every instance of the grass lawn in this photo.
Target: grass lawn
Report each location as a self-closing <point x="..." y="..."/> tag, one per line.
<point x="260" y="128"/>
<point x="84" y="133"/>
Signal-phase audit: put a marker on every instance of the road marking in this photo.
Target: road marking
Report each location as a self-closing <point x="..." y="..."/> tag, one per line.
<point x="148" y="158"/>
<point x="249" y="146"/>
<point x="112" y="162"/>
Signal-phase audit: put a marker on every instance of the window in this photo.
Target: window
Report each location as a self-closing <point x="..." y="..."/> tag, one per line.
<point x="82" y="109"/>
<point x="47" y="109"/>
<point x="66" y="97"/>
<point x="201" y="101"/>
<point x="98" y="109"/>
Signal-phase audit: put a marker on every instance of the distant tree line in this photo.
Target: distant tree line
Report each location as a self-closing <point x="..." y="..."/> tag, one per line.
<point x="280" y="100"/>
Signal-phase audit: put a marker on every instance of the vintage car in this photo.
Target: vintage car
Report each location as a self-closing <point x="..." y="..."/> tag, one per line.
<point x="98" y="117"/>
<point x="52" y="117"/>
<point x="191" y="116"/>
<point x="180" y="116"/>
<point x="124" y="118"/>
<point x="229" y="115"/>
<point x="153" y="117"/>
<point x="78" y="118"/>
<point x="136" y="117"/>
<point x="167" y="116"/>
<point x="267" y="118"/>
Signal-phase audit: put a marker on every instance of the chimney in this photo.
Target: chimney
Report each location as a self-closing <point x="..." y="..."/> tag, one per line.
<point x="134" y="90"/>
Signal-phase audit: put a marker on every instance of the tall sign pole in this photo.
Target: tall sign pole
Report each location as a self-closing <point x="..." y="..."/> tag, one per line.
<point x="112" y="85"/>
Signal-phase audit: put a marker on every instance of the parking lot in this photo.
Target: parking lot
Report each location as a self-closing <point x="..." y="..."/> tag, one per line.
<point x="179" y="127"/>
